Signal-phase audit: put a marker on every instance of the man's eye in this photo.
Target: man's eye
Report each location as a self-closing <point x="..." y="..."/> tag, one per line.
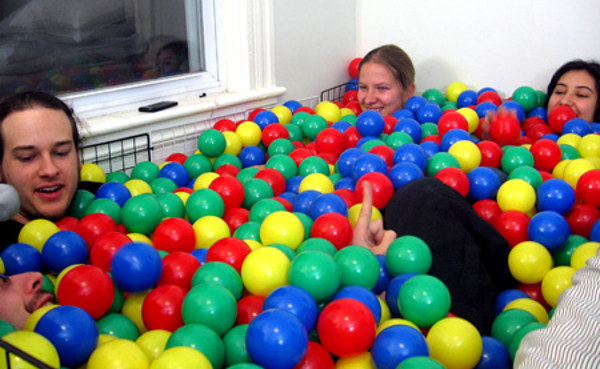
<point x="25" y="159"/>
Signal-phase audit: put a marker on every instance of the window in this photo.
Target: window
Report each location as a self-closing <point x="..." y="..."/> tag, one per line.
<point x="126" y="51"/>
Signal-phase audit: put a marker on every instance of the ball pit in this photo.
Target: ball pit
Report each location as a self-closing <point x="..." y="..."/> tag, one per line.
<point x="231" y="251"/>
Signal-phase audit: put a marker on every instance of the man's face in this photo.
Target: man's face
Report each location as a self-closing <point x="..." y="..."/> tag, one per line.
<point x="40" y="161"/>
<point x="20" y="296"/>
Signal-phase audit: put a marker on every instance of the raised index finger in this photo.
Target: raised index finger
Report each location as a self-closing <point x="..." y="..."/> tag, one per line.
<point x="366" y="210"/>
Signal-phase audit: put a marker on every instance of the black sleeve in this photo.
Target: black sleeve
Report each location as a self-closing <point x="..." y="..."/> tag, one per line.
<point x="9" y="233"/>
<point x="469" y="255"/>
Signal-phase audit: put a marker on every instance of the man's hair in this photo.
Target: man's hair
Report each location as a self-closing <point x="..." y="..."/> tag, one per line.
<point x="592" y="67"/>
<point x="34" y="99"/>
<point x="396" y="60"/>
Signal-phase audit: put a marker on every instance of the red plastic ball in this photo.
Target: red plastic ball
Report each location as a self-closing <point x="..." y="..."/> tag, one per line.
<point x="227" y="170"/>
<point x="230" y="189"/>
<point x="347" y="195"/>
<point x="183" y="189"/>
<point x="253" y="113"/>
<point x="286" y="204"/>
<point x="455" y="178"/>
<point x="316" y="357"/>
<point x="248" y="307"/>
<point x="274" y="178"/>
<point x="489" y="96"/>
<point x="559" y="116"/>
<point x="350" y="95"/>
<point x="332" y="141"/>
<point x="546" y="154"/>
<point x="452" y="120"/>
<point x="385" y="152"/>
<point x="350" y="319"/>
<point x="178" y="269"/>
<point x="352" y="136"/>
<point x="491" y="154"/>
<point x="512" y="225"/>
<point x="67" y="223"/>
<point x="92" y="226"/>
<point x="382" y="186"/>
<point x="272" y="132"/>
<point x="230" y="250"/>
<point x="333" y="227"/>
<point x="312" y="147"/>
<point x="530" y="122"/>
<point x="329" y="158"/>
<point x="87" y="287"/>
<point x="105" y="247"/>
<point x="487" y="209"/>
<point x="354" y="106"/>
<point x="389" y="124"/>
<point x="225" y="125"/>
<point x="537" y="131"/>
<point x="581" y="219"/>
<point x="161" y="308"/>
<point x="306" y="109"/>
<point x="534" y="291"/>
<point x="588" y="187"/>
<point x="298" y="155"/>
<point x="353" y="67"/>
<point x="174" y="234"/>
<point x="235" y="217"/>
<point x="176" y="158"/>
<point x="432" y="138"/>
<point x="505" y="128"/>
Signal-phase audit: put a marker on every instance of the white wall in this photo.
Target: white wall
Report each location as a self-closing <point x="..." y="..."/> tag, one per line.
<point x="314" y="42"/>
<point x="502" y="44"/>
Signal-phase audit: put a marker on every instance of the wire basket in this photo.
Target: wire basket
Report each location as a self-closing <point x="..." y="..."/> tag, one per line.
<point x="336" y="93"/>
<point x="118" y="155"/>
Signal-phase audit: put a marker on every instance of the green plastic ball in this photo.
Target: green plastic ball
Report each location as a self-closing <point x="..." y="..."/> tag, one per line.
<point x="408" y="254"/>
<point x="201" y="338"/>
<point x="359" y="267"/>
<point x="397" y="139"/>
<point x="248" y="231"/>
<point x="281" y="146"/>
<point x="105" y="206"/>
<point x="420" y="362"/>
<point x="313" y="164"/>
<point x="283" y="164"/>
<point x="568" y="152"/>
<point x="435" y="95"/>
<point x="227" y="159"/>
<point x="562" y="257"/>
<point x="294" y="132"/>
<point x="263" y="208"/>
<point x="235" y="346"/>
<point x="317" y="273"/>
<point x="118" y="325"/>
<point x="211" y="143"/>
<point x="162" y="185"/>
<point x="317" y="243"/>
<point x="439" y="161"/>
<point x="119" y="177"/>
<point x="246" y="174"/>
<point x="307" y="223"/>
<point x="514" y="157"/>
<point x="424" y="300"/>
<point x="141" y="214"/>
<point x="219" y="273"/>
<point x="146" y="171"/>
<point x="171" y="205"/>
<point x="204" y="202"/>
<point x="528" y="174"/>
<point x="508" y="322"/>
<point x="197" y="164"/>
<point x="516" y="339"/>
<point x="80" y="202"/>
<point x="525" y="96"/>
<point x="6" y="328"/>
<point x="429" y="129"/>
<point x="212" y="305"/>
<point x="255" y="189"/>
<point x="313" y="125"/>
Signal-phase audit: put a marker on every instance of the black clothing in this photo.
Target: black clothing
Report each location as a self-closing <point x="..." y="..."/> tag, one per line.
<point x="469" y="255"/>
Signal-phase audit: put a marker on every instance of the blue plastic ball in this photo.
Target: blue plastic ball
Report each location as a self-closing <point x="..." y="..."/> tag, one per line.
<point x="550" y="229"/>
<point x="175" y="172"/>
<point x="346" y="160"/>
<point x="289" y="196"/>
<point x="365" y="139"/>
<point x="595" y="127"/>
<point x="577" y="126"/>
<point x="368" y="163"/>
<point x="115" y="191"/>
<point x="485" y="107"/>
<point x="252" y="155"/>
<point x="431" y="148"/>
<point x="360" y="293"/>
<point x="136" y="267"/>
<point x="466" y="99"/>
<point x="430" y="112"/>
<point x="370" y="123"/>
<point x="483" y="183"/>
<point x="352" y="84"/>
<point x="411" y="127"/>
<point x="293" y="105"/>
<point x="404" y="173"/>
<point x="538" y="112"/>
<point x="264" y="118"/>
<point x="393" y="290"/>
<point x="200" y="254"/>
<point x="494" y="355"/>
<point x="403" y="113"/>
<point x="276" y="339"/>
<point x="72" y="331"/>
<point x="555" y="194"/>
<point x="485" y="89"/>
<point x="453" y="136"/>
<point x="384" y="275"/>
<point x="550" y="136"/>
<point x="297" y="301"/>
<point x="345" y="183"/>
<point x="293" y="185"/>
<point x="397" y="343"/>
<point x="341" y="125"/>
<point x="511" y="105"/>
<point x="304" y="201"/>
<point x="327" y="203"/>
<point x="62" y="249"/>
<point x="21" y="258"/>
<point x="505" y="297"/>
<point x="414" y="103"/>
<point x="411" y="153"/>
<point x="595" y="231"/>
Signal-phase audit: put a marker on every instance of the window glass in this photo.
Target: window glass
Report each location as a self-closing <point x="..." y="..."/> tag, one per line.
<point x="63" y="46"/>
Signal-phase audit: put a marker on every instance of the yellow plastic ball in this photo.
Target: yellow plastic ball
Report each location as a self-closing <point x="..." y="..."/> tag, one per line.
<point x="153" y="343"/>
<point x="386" y="314"/>
<point x="559" y="169"/>
<point x="132" y="308"/>
<point x="594" y="160"/>
<point x="360" y="361"/>
<point x="36" y="232"/>
<point x="161" y="165"/>
<point x="35" y="317"/>
<point x="32" y="343"/>
<point x="284" y="114"/>
<point x="329" y="111"/>
<point x="570" y="139"/>
<point x="347" y="111"/>
<point x="531" y="306"/>
<point x="354" y="212"/>
<point x="396" y="321"/>
<point x="582" y="253"/>
<point x="233" y="143"/>
<point x="61" y="275"/>
<point x="138" y="237"/>
<point x="529" y="262"/>
<point x="589" y="146"/>
<point x="264" y="270"/>
<point x="204" y="180"/>
<point x="184" y="196"/>
<point x="516" y="194"/>
<point x="471" y="116"/>
<point x="2" y="269"/>
<point x="576" y="169"/>
<point x="455" y="343"/>
<point x="454" y="90"/>
<point x="104" y="338"/>
<point x="467" y="154"/>
<point x="555" y="282"/>
<point x="138" y="187"/>
<point x="92" y="173"/>
<point x="181" y="357"/>
<point x="318" y="182"/>
<point x="282" y="227"/>
<point x="210" y="229"/>
<point x="118" y="354"/>
<point x="249" y="132"/>
<point x="253" y="244"/>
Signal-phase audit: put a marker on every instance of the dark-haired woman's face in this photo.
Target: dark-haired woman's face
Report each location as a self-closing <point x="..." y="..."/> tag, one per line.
<point x="378" y="89"/>
<point x="576" y="89"/>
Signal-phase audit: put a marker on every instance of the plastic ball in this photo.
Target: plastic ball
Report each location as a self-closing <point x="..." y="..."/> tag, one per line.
<point x="555" y="282"/>
<point x="36" y="232"/>
<point x="525" y="96"/>
<point x="136" y="267"/>
<point x="333" y="227"/>
<point x="516" y="194"/>
<point x="21" y="258"/>
<point x="87" y="287"/>
<point x="202" y="339"/>
<point x="424" y="300"/>
<point x="559" y="116"/>
<point x="118" y="354"/>
<point x="350" y="319"/>
<point x="455" y="343"/>
<point x="294" y="300"/>
<point x="532" y="306"/>
<point x="589" y="146"/>
<point x="454" y="90"/>
<point x="397" y="343"/>
<point x="212" y="305"/>
<point x="584" y="252"/>
<point x="483" y="183"/>
<point x="588" y="187"/>
<point x="359" y="267"/>
<point x="360" y="361"/>
<point x="494" y="355"/>
<point x="454" y="178"/>
<point x="329" y="111"/>
<point x="529" y="261"/>
<point x="210" y="229"/>
<point x="556" y="195"/>
<point x="141" y="214"/>
<point x="92" y="173"/>
<point x="264" y="270"/>
<point x="550" y="229"/>
<point x="31" y="343"/>
<point x="575" y="169"/>
<point x="316" y="272"/>
<point x="313" y="125"/>
<point x="467" y="154"/>
<point x="118" y="326"/>
<point x="282" y="227"/>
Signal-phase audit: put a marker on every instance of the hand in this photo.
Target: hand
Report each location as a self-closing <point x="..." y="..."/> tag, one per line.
<point x="367" y="233"/>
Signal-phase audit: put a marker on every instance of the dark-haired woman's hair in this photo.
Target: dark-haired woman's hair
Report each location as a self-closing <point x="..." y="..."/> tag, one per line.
<point x="396" y="60"/>
<point x="593" y="68"/>
<point x="34" y="99"/>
